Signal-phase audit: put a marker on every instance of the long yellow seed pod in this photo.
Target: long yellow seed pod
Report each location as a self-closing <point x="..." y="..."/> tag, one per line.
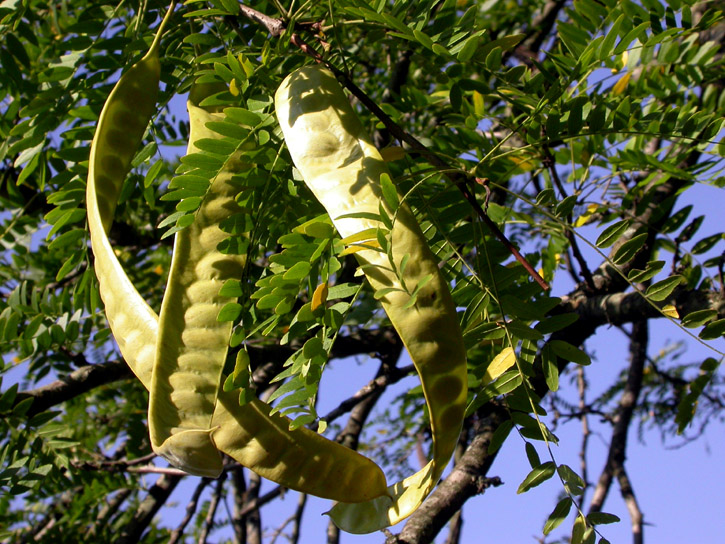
<point x="192" y="345"/>
<point x="342" y="168"/>
<point x="300" y="459"/>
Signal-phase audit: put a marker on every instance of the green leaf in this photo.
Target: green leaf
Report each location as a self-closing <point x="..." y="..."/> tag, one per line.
<point x="532" y="455"/>
<point x="551" y="370"/>
<point x="578" y="530"/>
<point x="612" y="233"/>
<point x="607" y="46"/>
<point x="313" y="347"/>
<point x="652" y="269"/>
<point x="298" y="271"/>
<point x="629" y="249"/>
<point x="342" y="290"/>
<point x="230" y="130"/>
<point x="537" y="476"/>
<point x="268" y="302"/>
<point x="230" y="312"/>
<point x="602" y="518"/>
<point x="423" y="39"/>
<point x="698" y="318"/>
<point x="231" y="289"/>
<point x="204" y="162"/>
<point x="390" y="193"/>
<point x="663" y="289"/>
<point x="243" y="116"/>
<point x="559" y="514"/>
<point x="499" y="436"/>
<point x="713" y="330"/>
<point x="556" y="323"/>
<point x="569" y="353"/>
<point x="469" y="48"/>
<point x="706" y="244"/>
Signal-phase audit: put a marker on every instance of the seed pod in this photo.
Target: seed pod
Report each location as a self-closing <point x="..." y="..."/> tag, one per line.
<point x="343" y="169"/>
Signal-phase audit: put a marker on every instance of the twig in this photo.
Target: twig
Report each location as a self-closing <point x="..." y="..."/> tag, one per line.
<point x="107" y="511"/>
<point x="582" y="386"/>
<point x="239" y="490"/>
<point x="635" y="514"/>
<point x="257" y="503"/>
<point x="191" y="507"/>
<point x="379" y="383"/>
<point x="169" y="471"/>
<point x="251" y="511"/>
<point x="459" y="179"/>
<point x="295" y="535"/>
<point x="216" y="497"/>
<point x="274" y="26"/>
<point x="550" y="164"/>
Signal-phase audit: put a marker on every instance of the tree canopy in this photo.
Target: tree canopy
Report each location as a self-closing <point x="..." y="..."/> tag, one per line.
<point x="545" y="148"/>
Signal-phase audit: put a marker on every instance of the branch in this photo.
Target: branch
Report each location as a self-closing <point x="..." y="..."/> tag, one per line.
<point x="253" y="502"/>
<point x="630" y="500"/>
<point x="299" y="511"/>
<point x="456" y="176"/>
<point x="467" y="479"/>
<point x="550" y="164"/>
<point x="374" y="388"/>
<point x="621" y="308"/>
<point x="111" y="507"/>
<point x="177" y="533"/>
<point x="361" y="404"/>
<point x="623" y="417"/>
<point x="76" y="383"/>
<point x="216" y="498"/>
<point x="157" y="496"/>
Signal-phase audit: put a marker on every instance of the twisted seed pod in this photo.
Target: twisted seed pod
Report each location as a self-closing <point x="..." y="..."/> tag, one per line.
<point x="300" y="459"/>
<point x="192" y="345"/>
<point x="342" y="168"/>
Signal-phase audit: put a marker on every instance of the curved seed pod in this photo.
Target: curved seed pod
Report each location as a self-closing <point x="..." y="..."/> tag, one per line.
<point x="342" y="168"/>
<point x="300" y="459"/>
<point x="121" y="126"/>
<point x="192" y="345"/>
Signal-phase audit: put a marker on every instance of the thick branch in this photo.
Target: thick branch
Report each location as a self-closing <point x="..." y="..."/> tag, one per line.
<point x="73" y="385"/>
<point x="467" y="479"/>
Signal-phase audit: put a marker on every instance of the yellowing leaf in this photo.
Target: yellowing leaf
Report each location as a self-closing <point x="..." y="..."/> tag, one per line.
<point x="246" y="65"/>
<point x="671" y="311"/>
<point x="354" y="248"/>
<point x="584" y="218"/>
<point x="158" y="270"/>
<point x="478" y="104"/>
<point x="391" y="154"/>
<point x="367" y="234"/>
<point x="234" y="88"/>
<point x="526" y="164"/>
<point x="500" y="364"/>
<point x="621" y="62"/>
<point x="319" y="297"/>
<point x="621" y="85"/>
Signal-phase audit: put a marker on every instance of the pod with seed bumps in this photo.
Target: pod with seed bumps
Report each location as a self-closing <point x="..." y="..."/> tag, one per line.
<point x="300" y="459"/>
<point x="342" y="168"/>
